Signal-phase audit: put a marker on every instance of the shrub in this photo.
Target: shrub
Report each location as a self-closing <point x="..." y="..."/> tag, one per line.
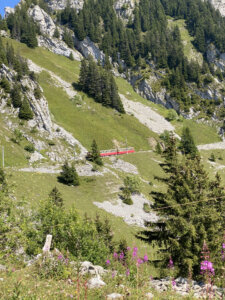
<point x="25" y="112"/>
<point x="18" y="136"/>
<point x="29" y="148"/>
<point x="212" y="157"/>
<point x="69" y="175"/>
<point x="172" y="115"/>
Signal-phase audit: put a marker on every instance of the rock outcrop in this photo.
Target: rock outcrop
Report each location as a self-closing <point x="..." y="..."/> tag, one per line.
<point x="8" y="11"/>
<point x="124" y="8"/>
<point x="47" y="29"/>
<point x="61" y="4"/>
<point x="87" y="47"/>
<point x="58" y="47"/>
<point x="219" y="4"/>
<point x="215" y="57"/>
<point x="44" y="21"/>
<point x="144" y="87"/>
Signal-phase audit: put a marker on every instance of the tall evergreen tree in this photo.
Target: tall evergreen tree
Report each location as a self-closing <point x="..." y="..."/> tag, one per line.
<point x="16" y="96"/>
<point x="56" y="197"/>
<point x="187" y="214"/>
<point x="69" y="175"/>
<point x="94" y="154"/>
<point x="187" y="144"/>
<point x="25" y="111"/>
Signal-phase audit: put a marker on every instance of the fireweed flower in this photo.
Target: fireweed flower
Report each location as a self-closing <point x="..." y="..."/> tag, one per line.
<point x="127" y="272"/>
<point x="115" y="255"/>
<point x="170" y="264"/>
<point x="145" y="259"/>
<point x="60" y="257"/>
<point x="135" y="250"/>
<point x="207" y="266"/>
<point x="173" y="282"/>
<point x="108" y="262"/>
<point x="139" y="262"/>
<point x="121" y="255"/>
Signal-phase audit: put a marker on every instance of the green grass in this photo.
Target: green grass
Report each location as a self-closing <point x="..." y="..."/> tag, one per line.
<point x="60" y="65"/>
<point x="15" y="155"/>
<point x="92" y="189"/>
<point x="218" y="166"/>
<point x="92" y="120"/>
<point x="202" y="133"/>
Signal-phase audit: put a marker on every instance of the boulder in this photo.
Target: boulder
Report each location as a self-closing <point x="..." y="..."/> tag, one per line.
<point x="149" y="296"/>
<point x="114" y="296"/>
<point x="95" y="282"/>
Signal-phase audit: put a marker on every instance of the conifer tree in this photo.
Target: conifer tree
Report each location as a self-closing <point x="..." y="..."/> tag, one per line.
<point x="56" y="33"/>
<point x="16" y="97"/>
<point x="4" y="83"/>
<point x="187" y="144"/>
<point x="69" y="175"/>
<point x="94" y="154"/>
<point x="56" y="197"/>
<point x="25" y="111"/>
<point x="187" y="215"/>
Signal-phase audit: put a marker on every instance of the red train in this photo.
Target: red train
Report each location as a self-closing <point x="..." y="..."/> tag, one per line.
<point x="116" y="151"/>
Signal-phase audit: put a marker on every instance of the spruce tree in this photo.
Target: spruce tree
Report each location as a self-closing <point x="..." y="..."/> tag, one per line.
<point x="83" y="78"/>
<point x="56" y="197"/>
<point x="187" y="144"/>
<point x="56" y="33"/>
<point x="25" y="111"/>
<point x="69" y="175"/>
<point x="187" y="214"/>
<point x="4" y="83"/>
<point x="16" y="97"/>
<point x="94" y="154"/>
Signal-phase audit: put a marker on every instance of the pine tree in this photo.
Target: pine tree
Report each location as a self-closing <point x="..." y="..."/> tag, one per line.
<point x="94" y="154"/>
<point x="4" y="83"/>
<point x="16" y="97"/>
<point x="71" y="56"/>
<point x="25" y="111"/>
<point x="187" y="144"/>
<point x="56" y="197"/>
<point x="187" y="216"/>
<point x="56" y="33"/>
<point x="83" y="78"/>
<point x="69" y="175"/>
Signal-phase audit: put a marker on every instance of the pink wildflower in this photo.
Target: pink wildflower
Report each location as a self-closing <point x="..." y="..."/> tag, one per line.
<point x="139" y="262"/>
<point x="108" y="262"/>
<point x="145" y="259"/>
<point x="127" y="272"/>
<point x="170" y="264"/>
<point x="121" y="255"/>
<point x="113" y="274"/>
<point x="115" y="255"/>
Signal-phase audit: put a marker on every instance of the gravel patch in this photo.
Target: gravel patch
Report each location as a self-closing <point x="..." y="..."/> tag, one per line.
<point x="147" y="116"/>
<point x="131" y="214"/>
<point x="122" y="165"/>
<point x="219" y="145"/>
<point x="46" y="170"/>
